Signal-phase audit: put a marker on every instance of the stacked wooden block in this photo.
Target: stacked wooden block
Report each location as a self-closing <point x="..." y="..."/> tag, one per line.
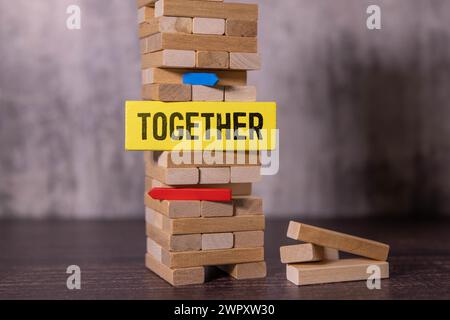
<point x="317" y="260"/>
<point x="185" y="236"/>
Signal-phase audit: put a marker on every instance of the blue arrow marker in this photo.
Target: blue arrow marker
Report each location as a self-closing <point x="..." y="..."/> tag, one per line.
<point x="202" y="79"/>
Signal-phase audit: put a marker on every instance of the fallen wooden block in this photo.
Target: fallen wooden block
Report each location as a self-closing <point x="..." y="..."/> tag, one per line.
<point x="240" y="93"/>
<point x="245" y="174"/>
<point x="204" y="93"/>
<point x="151" y="25"/>
<point x="246" y="271"/>
<point x="210" y="225"/>
<point x="339" y="241"/>
<point x="333" y="271"/>
<point x="175" y="76"/>
<point x="247" y="205"/>
<point x="198" y="42"/>
<point x="174" y="208"/>
<point x="169" y="159"/>
<point x="307" y="252"/>
<point x="218" y="195"/>
<point x="212" y="59"/>
<point x="176" y="277"/>
<point x="245" y="61"/>
<point x="248" y="239"/>
<point x="176" y="243"/>
<point x="237" y="189"/>
<point x="167" y="92"/>
<point x="211" y="209"/>
<point x="173" y="176"/>
<point x="214" y="175"/>
<point x="208" y="26"/>
<point x="241" y="28"/>
<point x="169" y="59"/>
<point x="208" y="9"/>
<point x="216" y="241"/>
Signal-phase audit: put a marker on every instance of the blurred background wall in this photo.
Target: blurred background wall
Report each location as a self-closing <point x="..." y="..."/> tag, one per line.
<point x="364" y="115"/>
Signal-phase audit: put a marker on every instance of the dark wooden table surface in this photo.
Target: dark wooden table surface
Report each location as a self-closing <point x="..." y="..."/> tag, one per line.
<point x="34" y="257"/>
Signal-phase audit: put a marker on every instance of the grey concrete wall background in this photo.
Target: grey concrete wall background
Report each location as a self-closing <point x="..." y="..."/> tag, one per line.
<point x="363" y="114"/>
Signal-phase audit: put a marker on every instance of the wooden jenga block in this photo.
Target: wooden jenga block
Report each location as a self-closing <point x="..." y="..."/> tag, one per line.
<point x="248" y="205"/>
<point x="245" y="61"/>
<point x="205" y="93"/>
<point x="212" y="60"/>
<point x="208" y="26"/>
<point x="237" y="189"/>
<point x="169" y="159"/>
<point x="241" y="28"/>
<point x="246" y="271"/>
<point x="163" y="24"/>
<point x="249" y="239"/>
<point x="214" y="175"/>
<point x="208" y="9"/>
<point x="339" y="241"/>
<point x="176" y="277"/>
<point x="172" y="176"/>
<point x="155" y="220"/>
<point x="210" y="225"/>
<point x="245" y="174"/>
<point x="211" y="257"/>
<point x="154" y="249"/>
<point x="210" y="209"/>
<point x="307" y="252"/>
<point x="240" y="93"/>
<point x="215" y="241"/>
<point x="176" y="243"/>
<point x="169" y="59"/>
<point x="175" y="76"/>
<point x="333" y="271"/>
<point x="167" y="92"/>
<point x="200" y="42"/>
<point x="174" y="208"/>
<point x="144" y="14"/>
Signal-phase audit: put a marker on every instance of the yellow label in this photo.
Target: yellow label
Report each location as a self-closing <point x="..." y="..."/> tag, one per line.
<point x="230" y="126"/>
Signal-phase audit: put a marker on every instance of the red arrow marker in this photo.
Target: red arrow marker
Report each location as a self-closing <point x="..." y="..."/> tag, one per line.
<point x="219" y="195"/>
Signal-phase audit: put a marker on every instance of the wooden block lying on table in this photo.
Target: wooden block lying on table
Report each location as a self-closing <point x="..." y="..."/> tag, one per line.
<point x="245" y="61"/>
<point x="175" y="76"/>
<point x="174" y="208"/>
<point x="248" y="239"/>
<point x="245" y="174"/>
<point x="151" y="25"/>
<point x="172" y="176"/>
<point x="248" y="205"/>
<point x="241" y="28"/>
<point x="169" y="159"/>
<point x="169" y="59"/>
<point x="167" y="92"/>
<point x="210" y="209"/>
<point x="240" y="93"/>
<point x="339" y="241"/>
<point x="215" y="241"/>
<point x="212" y="59"/>
<point x="144" y="14"/>
<point x="307" y="252"/>
<point x="237" y="189"/>
<point x="208" y="9"/>
<point x="176" y="243"/>
<point x="176" y="277"/>
<point x="210" y="225"/>
<point x="205" y="93"/>
<point x="245" y="271"/>
<point x="208" y="26"/>
<point x="198" y="42"/>
<point x="214" y="175"/>
<point x="333" y="271"/>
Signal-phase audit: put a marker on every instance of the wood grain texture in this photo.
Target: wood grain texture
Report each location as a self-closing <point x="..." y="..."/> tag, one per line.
<point x="245" y="271"/>
<point x="174" y="208"/>
<point x="164" y="24"/>
<point x="307" y="252"/>
<point x="167" y="92"/>
<point x="212" y="59"/>
<point x="248" y="239"/>
<point x="188" y="242"/>
<point x="245" y="61"/>
<point x="340" y="241"/>
<point x="210" y="209"/>
<point x="333" y="271"/>
<point x="173" y="176"/>
<point x="215" y="241"/>
<point x="208" y="26"/>
<point x="248" y="205"/>
<point x="169" y="59"/>
<point x="205" y="93"/>
<point x="241" y="28"/>
<point x="214" y="175"/>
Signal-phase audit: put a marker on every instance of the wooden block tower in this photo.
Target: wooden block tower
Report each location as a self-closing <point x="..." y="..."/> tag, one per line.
<point x="201" y="50"/>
